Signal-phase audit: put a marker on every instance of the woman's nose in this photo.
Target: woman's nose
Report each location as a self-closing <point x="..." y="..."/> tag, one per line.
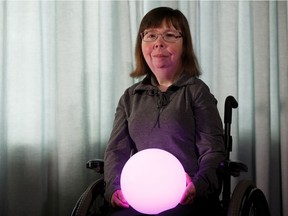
<point x="159" y="43"/>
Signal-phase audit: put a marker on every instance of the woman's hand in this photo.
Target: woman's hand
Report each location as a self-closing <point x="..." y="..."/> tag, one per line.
<point x="118" y="200"/>
<point x="189" y="193"/>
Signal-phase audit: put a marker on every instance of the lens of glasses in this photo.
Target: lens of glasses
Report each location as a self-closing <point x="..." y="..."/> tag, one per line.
<point x="169" y="36"/>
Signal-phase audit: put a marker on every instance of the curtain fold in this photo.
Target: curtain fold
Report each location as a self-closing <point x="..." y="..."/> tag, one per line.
<point x="65" y="64"/>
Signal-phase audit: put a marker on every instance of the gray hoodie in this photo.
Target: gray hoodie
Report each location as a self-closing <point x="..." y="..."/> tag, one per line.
<point x="184" y="121"/>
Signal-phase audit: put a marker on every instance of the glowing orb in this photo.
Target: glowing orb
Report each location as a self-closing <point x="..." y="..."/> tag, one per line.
<point x="152" y="181"/>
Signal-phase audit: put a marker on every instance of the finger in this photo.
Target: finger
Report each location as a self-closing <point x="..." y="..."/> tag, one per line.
<point x="120" y="203"/>
<point x="188" y="179"/>
<point x="123" y="201"/>
<point x="118" y="200"/>
<point x="114" y="199"/>
<point x="184" y="199"/>
<point x="187" y="200"/>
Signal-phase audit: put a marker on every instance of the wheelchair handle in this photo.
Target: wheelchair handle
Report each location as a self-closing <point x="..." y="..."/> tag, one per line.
<point x="230" y="103"/>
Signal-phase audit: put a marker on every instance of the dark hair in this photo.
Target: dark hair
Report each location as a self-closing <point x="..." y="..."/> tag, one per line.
<point x="154" y="19"/>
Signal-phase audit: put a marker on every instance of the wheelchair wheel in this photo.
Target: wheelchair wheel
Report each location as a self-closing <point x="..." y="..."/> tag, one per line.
<point x="247" y="200"/>
<point x="92" y="202"/>
<point x="256" y="204"/>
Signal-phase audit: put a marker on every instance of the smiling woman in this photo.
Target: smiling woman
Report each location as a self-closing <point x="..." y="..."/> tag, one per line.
<point x="181" y="117"/>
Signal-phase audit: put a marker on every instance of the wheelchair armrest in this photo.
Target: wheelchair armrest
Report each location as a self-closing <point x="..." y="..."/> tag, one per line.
<point x="96" y="164"/>
<point x="233" y="167"/>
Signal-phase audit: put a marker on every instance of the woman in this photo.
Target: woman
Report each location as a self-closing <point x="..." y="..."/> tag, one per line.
<point x="170" y="109"/>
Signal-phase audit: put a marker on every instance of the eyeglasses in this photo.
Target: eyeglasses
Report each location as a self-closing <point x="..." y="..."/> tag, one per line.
<point x="168" y="36"/>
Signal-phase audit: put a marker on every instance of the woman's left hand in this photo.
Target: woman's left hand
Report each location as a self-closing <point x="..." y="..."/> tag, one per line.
<point x="189" y="193"/>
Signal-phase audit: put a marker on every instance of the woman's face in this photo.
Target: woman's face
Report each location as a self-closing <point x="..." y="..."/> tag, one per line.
<point x="160" y="55"/>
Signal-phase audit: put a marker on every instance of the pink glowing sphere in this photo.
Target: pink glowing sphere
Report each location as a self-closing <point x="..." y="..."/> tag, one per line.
<point x="152" y="181"/>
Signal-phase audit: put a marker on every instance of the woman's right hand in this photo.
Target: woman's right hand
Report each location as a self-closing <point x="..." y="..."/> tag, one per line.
<point x="118" y="200"/>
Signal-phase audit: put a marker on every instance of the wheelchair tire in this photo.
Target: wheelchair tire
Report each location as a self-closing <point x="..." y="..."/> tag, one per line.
<point x="239" y="196"/>
<point x="85" y="205"/>
<point x="256" y="204"/>
<point x="248" y="200"/>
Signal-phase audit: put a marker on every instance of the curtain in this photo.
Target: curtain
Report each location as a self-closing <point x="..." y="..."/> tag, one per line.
<point x="64" y="65"/>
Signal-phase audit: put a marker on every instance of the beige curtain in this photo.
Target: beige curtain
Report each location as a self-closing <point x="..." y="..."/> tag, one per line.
<point x="64" y="65"/>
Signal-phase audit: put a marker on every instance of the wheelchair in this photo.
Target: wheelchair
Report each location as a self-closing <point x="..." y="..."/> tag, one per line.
<point x="246" y="199"/>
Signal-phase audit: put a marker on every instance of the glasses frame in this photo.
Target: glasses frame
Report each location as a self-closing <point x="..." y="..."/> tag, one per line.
<point x="142" y="34"/>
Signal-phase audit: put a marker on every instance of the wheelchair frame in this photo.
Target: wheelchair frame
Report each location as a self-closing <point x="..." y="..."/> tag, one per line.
<point x="246" y="199"/>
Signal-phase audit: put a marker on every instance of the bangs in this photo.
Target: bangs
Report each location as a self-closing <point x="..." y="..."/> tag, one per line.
<point x="156" y="20"/>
